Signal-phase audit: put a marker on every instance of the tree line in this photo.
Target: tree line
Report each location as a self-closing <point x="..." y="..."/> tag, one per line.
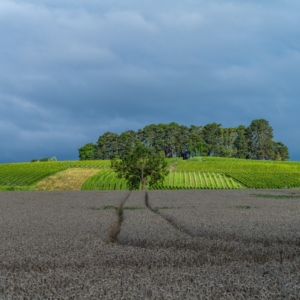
<point x="174" y="140"/>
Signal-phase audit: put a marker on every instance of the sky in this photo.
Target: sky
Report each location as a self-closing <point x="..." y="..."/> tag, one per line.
<point x="71" y="70"/>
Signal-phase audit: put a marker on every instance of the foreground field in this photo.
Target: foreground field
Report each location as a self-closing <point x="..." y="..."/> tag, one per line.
<point x="167" y="245"/>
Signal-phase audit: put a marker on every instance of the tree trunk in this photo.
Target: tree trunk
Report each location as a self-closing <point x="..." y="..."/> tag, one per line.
<point x="144" y="184"/>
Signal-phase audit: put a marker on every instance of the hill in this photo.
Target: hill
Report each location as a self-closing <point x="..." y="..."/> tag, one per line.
<point x="195" y="173"/>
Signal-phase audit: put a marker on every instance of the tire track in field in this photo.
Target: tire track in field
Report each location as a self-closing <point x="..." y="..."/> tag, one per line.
<point x="115" y="227"/>
<point x="148" y="229"/>
<point x="143" y="228"/>
<point x="171" y="221"/>
<point x="215" y="236"/>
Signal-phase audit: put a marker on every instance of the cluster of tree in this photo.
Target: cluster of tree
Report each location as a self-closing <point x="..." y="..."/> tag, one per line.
<point x="44" y="159"/>
<point x="252" y="142"/>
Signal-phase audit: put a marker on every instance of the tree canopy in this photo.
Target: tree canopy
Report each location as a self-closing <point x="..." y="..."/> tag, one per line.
<point x="252" y="142"/>
<point x="141" y="166"/>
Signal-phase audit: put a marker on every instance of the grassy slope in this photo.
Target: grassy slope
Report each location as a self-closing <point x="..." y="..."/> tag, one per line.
<point x="250" y="173"/>
<point x="233" y="165"/>
<point x="23" y="176"/>
<point x="213" y="172"/>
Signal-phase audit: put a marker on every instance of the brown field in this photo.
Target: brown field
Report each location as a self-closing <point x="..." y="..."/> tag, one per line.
<point x="194" y="244"/>
<point x="67" y="180"/>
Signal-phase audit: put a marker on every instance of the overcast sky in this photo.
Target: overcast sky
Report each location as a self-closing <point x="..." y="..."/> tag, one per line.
<point x="71" y="70"/>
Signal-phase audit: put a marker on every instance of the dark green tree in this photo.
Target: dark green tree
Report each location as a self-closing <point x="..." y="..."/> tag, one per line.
<point x="212" y="137"/>
<point x="227" y="148"/>
<point x="171" y="141"/>
<point x="195" y="135"/>
<point x="108" y="145"/>
<point x="260" y="135"/>
<point x="280" y="151"/>
<point x="141" y="166"/>
<point x="88" y="152"/>
<point x="127" y="141"/>
<point x="240" y="143"/>
<point x="182" y="140"/>
<point x="199" y="149"/>
<point x="149" y="135"/>
<point x="254" y="142"/>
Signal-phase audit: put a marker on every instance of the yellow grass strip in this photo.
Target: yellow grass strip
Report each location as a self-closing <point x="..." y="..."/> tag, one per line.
<point x="68" y="180"/>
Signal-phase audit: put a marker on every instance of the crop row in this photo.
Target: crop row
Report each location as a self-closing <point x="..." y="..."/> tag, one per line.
<point x="228" y="165"/>
<point x="267" y="180"/>
<point x="105" y="180"/>
<point x="108" y="180"/>
<point x="200" y="180"/>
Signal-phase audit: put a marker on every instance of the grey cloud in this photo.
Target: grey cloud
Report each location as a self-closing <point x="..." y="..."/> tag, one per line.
<point x="71" y="70"/>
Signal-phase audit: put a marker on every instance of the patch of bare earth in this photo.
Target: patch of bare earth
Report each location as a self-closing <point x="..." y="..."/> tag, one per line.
<point x="68" y="180"/>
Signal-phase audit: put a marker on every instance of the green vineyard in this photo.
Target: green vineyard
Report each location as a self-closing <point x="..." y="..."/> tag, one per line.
<point x="267" y="180"/>
<point x="197" y="180"/>
<point x="108" y="180"/>
<point x="195" y="173"/>
<point x="234" y="165"/>
<point x="105" y="180"/>
<point x="26" y="174"/>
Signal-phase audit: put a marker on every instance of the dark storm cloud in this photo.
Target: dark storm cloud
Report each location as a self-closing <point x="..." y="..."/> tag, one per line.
<point x="71" y="70"/>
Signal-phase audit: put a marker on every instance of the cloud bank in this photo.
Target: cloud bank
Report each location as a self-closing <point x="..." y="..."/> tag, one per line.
<point x="71" y="70"/>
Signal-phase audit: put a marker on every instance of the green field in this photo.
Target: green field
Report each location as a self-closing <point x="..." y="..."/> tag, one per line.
<point x="22" y="176"/>
<point x="196" y="173"/>
<point x="229" y="165"/>
<point x="249" y="173"/>
<point x="107" y="180"/>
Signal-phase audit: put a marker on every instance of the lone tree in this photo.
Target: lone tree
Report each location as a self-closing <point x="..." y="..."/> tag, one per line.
<point x="141" y="166"/>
